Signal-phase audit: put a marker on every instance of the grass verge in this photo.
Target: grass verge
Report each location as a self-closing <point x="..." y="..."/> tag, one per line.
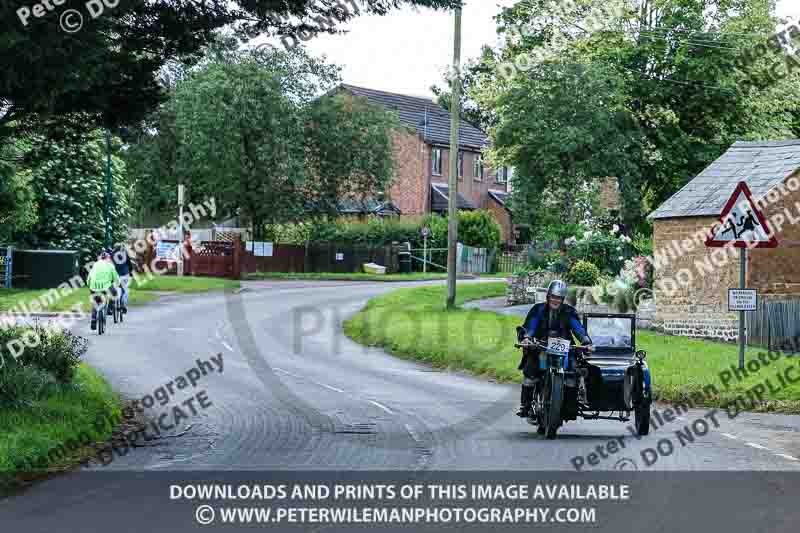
<point x="139" y="293"/>
<point x="312" y="276"/>
<point x="413" y="323"/>
<point x="66" y="414"/>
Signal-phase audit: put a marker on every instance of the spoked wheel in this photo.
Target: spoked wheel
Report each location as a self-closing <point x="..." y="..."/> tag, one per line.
<point x="640" y="403"/>
<point x="554" y="398"/>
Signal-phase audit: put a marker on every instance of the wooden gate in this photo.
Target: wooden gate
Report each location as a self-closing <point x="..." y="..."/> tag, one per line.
<point x="219" y="259"/>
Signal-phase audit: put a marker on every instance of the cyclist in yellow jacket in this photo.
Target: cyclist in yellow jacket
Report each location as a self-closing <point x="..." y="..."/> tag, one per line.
<point x="102" y="277"/>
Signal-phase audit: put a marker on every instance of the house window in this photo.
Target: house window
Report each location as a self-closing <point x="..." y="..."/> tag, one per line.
<point x="501" y="175"/>
<point x="477" y="168"/>
<point x="460" y="165"/>
<point x="436" y="161"/>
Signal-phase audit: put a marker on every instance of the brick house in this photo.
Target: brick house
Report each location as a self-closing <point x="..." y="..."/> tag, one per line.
<point x="692" y="280"/>
<point x="422" y="159"/>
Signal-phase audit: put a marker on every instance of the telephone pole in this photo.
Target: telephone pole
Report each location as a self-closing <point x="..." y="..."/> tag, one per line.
<point x="452" y="188"/>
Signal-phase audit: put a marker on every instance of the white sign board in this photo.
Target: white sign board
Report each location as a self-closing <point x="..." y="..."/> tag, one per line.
<point x="742" y="300"/>
<point x="558" y="346"/>
<point x="260" y="249"/>
<point x="340" y="257"/>
<point x="166" y="250"/>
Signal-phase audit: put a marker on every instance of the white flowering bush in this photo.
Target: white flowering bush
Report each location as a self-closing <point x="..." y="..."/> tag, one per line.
<point x="606" y="249"/>
<point x="70" y="184"/>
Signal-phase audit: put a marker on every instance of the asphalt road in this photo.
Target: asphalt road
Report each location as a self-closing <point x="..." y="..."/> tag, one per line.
<point x="295" y="394"/>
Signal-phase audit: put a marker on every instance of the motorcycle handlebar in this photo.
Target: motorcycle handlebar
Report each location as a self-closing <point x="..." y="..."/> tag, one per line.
<point x="535" y="344"/>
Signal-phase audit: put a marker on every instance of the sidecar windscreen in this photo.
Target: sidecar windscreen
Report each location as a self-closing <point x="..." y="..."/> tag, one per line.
<point x="610" y="331"/>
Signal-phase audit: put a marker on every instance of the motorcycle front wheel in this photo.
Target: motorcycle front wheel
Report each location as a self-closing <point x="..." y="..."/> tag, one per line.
<point x="554" y="398"/>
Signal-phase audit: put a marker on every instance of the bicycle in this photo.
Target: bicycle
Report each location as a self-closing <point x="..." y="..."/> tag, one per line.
<point x="100" y="312"/>
<point x="115" y="305"/>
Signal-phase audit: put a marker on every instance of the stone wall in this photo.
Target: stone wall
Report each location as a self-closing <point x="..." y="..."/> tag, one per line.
<point x="522" y="289"/>
<point x="692" y="280"/>
<point x="775" y="273"/>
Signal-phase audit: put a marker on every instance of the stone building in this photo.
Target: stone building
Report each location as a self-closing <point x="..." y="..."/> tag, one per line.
<point x="691" y="280"/>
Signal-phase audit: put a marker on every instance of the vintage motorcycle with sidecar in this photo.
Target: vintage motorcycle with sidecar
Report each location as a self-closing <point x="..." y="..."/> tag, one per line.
<point x="579" y="383"/>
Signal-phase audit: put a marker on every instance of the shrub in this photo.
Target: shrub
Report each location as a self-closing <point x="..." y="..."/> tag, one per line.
<point x="52" y="362"/>
<point x="623" y="300"/>
<point x="606" y="250"/>
<point x="584" y="273"/>
<point x="478" y="228"/>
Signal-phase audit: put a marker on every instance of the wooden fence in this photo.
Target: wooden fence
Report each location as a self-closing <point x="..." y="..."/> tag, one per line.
<point x="775" y="325"/>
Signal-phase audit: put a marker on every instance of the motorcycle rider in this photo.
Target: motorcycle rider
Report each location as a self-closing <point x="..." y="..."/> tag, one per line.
<point x="552" y="318"/>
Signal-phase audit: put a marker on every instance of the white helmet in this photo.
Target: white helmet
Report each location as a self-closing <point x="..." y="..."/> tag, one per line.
<point x="557" y="288"/>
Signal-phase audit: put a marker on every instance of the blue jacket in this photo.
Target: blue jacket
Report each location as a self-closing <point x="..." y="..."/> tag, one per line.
<point x="567" y="323"/>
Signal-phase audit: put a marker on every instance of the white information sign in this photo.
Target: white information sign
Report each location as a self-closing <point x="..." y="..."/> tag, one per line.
<point x="340" y="257"/>
<point x="742" y="300"/>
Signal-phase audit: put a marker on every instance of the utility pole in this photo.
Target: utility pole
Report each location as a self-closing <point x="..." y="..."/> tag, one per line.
<point x="452" y="188"/>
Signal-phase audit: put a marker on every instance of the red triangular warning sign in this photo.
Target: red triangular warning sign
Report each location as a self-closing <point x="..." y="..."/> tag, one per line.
<point x="741" y="224"/>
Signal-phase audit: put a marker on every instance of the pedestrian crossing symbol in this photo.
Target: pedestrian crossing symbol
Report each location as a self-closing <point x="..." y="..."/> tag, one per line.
<point x="741" y="225"/>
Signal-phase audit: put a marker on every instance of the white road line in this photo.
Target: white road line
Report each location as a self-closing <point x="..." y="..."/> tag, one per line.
<point x="757" y="446"/>
<point x="381" y="406"/>
<point x="216" y="332"/>
<point x="311" y="380"/>
<point x="412" y="433"/>
<point x="734" y="437"/>
<point x="286" y="372"/>
<point x="228" y="346"/>
<point x="787" y="457"/>
<point x="177" y="329"/>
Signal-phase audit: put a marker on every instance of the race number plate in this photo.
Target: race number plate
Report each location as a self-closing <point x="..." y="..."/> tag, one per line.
<point x="558" y="346"/>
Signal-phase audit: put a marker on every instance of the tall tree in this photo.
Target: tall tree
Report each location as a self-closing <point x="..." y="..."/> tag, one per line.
<point x="108" y="67"/>
<point x="246" y="128"/>
<point x="685" y="90"/>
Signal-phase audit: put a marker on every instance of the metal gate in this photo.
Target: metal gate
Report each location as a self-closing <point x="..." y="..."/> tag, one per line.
<point x="473" y="260"/>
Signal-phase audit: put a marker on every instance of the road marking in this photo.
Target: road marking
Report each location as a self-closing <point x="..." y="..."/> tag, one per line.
<point x="787" y="457"/>
<point x="381" y="406"/>
<point x="734" y="437"/>
<point x="412" y="433"/>
<point x="177" y="329"/>
<point x="311" y="380"/>
<point x="228" y="346"/>
<point x="756" y="446"/>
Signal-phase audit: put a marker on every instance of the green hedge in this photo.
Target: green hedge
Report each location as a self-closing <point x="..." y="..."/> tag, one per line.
<point x="475" y="228"/>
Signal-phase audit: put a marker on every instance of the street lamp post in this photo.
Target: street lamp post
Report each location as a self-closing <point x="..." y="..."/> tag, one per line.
<point x="109" y="192"/>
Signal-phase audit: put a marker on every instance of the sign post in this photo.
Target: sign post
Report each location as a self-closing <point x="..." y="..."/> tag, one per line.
<point x="180" y="229"/>
<point x="741" y="225"/>
<point x="425" y="233"/>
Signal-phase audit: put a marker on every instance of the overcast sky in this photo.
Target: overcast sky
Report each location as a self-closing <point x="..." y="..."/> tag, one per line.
<point x="408" y="50"/>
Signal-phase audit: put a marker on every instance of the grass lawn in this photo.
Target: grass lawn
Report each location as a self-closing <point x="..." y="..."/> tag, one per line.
<point x="413" y="323"/>
<point x="186" y="284"/>
<point x="11" y="297"/>
<point x="313" y="276"/>
<point x="30" y="433"/>
<point x="139" y="292"/>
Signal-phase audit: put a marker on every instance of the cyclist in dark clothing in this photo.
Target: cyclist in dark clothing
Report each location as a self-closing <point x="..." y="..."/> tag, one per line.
<point x="550" y="319"/>
<point x="124" y="267"/>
